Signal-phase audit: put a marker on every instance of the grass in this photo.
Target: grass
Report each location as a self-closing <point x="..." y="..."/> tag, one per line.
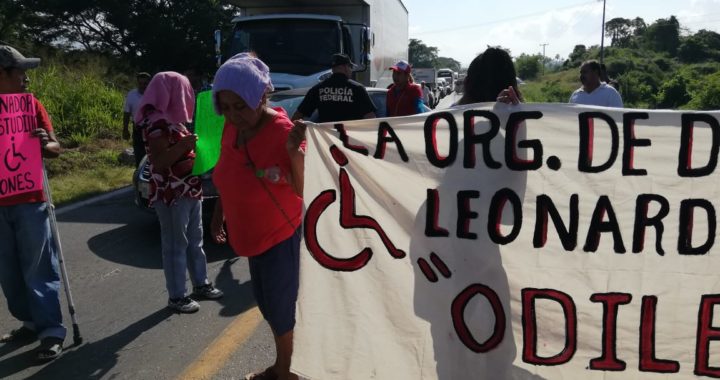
<point x="88" y="170"/>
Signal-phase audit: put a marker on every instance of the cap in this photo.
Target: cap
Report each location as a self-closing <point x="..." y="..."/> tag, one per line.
<point x="341" y="59"/>
<point x="9" y="57"/>
<point x="245" y="75"/>
<point x="401" y="66"/>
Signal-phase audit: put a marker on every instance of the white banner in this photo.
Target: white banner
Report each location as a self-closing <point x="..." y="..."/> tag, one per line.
<point x="539" y="241"/>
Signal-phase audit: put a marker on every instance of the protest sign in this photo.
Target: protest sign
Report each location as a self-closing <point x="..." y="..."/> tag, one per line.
<point x="21" y="167"/>
<point x="209" y="128"/>
<point x="539" y="241"/>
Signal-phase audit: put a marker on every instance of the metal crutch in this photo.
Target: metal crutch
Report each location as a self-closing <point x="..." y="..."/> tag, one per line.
<point x="77" y="339"/>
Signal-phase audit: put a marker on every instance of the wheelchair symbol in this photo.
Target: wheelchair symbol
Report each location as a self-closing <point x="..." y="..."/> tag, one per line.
<point x="13" y="152"/>
<point x="348" y="219"/>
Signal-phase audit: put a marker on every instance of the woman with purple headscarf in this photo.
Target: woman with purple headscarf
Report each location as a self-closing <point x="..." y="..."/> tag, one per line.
<point x="259" y="177"/>
<point x="176" y="194"/>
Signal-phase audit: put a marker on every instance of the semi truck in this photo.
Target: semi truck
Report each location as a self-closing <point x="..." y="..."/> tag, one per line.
<point x="296" y="38"/>
<point x="449" y="76"/>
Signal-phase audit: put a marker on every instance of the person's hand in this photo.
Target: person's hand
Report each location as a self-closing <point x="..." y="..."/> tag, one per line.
<point x="508" y="96"/>
<point x="217" y="231"/>
<point x="188" y="142"/>
<point x="296" y="136"/>
<point x="42" y="134"/>
<point x="125" y="134"/>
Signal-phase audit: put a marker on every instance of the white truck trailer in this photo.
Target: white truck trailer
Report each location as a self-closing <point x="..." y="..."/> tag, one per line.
<point x="296" y="38"/>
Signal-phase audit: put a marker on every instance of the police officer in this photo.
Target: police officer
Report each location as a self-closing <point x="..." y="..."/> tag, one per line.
<point x="337" y="98"/>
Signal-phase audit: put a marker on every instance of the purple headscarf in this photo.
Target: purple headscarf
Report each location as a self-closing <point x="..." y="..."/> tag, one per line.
<point x="172" y="97"/>
<point x="245" y="75"/>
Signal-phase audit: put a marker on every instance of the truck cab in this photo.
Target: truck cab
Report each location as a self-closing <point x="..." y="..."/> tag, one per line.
<point x="296" y="38"/>
<point x="450" y="77"/>
<point x="282" y="42"/>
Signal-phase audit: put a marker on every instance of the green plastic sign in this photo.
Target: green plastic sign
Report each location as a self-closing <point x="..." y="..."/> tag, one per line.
<point x="209" y="128"/>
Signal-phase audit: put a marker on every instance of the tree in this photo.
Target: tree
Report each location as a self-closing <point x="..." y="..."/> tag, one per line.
<point x="578" y="55"/>
<point x="691" y="50"/>
<point x="421" y="55"/>
<point x="445" y="62"/>
<point x="619" y="30"/>
<point x="151" y="34"/>
<point x="664" y="35"/>
<point x="673" y="93"/>
<point x="528" y="66"/>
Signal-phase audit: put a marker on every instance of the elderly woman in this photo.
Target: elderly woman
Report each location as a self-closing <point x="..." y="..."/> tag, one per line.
<point x="259" y="177"/>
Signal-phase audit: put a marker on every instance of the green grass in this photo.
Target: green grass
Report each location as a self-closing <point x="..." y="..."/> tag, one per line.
<point x="88" y="170"/>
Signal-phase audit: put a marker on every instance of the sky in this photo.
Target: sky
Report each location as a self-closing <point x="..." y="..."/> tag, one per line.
<point x="461" y="29"/>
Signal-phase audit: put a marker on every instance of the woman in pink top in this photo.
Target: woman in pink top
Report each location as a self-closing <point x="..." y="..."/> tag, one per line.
<point x="259" y="177"/>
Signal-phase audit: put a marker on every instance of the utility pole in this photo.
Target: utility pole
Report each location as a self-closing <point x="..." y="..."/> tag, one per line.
<point x="543" y="58"/>
<point x="602" y="36"/>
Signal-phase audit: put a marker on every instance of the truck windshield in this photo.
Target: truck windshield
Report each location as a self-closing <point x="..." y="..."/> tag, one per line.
<point x="444" y="74"/>
<point x="292" y="46"/>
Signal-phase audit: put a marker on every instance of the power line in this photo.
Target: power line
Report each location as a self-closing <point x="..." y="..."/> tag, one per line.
<point x="504" y="20"/>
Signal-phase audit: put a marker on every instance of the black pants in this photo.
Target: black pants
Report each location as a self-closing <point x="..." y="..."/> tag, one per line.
<point x="138" y="146"/>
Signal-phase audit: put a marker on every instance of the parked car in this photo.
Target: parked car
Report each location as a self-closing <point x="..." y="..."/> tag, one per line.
<point x="288" y="100"/>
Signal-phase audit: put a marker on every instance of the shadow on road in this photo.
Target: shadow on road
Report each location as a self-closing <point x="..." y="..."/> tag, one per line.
<point x="238" y="296"/>
<point x="93" y="360"/>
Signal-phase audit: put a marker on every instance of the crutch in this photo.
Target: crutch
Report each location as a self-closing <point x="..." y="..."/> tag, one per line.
<point x="77" y="339"/>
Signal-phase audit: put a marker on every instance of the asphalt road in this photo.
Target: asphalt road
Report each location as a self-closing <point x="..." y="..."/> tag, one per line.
<point x="112" y="254"/>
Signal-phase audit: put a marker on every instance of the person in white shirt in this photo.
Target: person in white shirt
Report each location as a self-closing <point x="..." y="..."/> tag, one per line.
<point x="131" y="103"/>
<point x="593" y="91"/>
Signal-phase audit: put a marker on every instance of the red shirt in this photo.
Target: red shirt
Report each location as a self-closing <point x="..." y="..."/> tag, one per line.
<point x="403" y="102"/>
<point x="43" y="121"/>
<point x="260" y="209"/>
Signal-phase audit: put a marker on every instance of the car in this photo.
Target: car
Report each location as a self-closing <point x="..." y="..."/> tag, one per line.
<point x="289" y="100"/>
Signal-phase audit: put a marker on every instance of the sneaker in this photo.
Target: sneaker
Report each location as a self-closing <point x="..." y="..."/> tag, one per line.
<point x="21" y="334"/>
<point x="208" y="292"/>
<point x="184" y="305"/>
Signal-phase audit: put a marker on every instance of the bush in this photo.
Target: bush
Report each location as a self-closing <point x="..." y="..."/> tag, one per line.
<point x="708" y="98"/>
<point x="80" y="103"/>
<point x="673" y="93"/>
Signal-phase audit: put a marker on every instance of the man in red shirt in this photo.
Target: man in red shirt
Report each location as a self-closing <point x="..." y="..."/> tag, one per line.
<point x="403" y="97"/>
<point x="29" y="272"/>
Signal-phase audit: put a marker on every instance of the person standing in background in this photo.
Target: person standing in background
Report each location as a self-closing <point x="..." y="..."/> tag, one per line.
<point x="595" y="92"/>
<point x="404" y="97"/>
<point x="132" y="100"/>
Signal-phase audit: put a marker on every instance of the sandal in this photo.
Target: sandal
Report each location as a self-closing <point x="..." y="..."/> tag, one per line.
<point x="50" y="348"/>
<point x="20" y="334"/>
<point x="267" y="374"/>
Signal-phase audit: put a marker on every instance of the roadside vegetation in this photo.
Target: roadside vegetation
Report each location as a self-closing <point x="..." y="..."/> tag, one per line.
<point x="656" y="66"/>
<point x="86" y="112"/>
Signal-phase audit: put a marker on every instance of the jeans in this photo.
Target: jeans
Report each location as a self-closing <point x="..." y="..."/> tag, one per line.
<point x="182" y="240"/>
<point x="29" y="268"/>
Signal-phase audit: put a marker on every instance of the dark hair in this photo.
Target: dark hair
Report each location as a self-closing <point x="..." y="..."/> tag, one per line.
<point x="489" y="73"/>
<point x="593" y="65"/>
<point x="143" y="75"/>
